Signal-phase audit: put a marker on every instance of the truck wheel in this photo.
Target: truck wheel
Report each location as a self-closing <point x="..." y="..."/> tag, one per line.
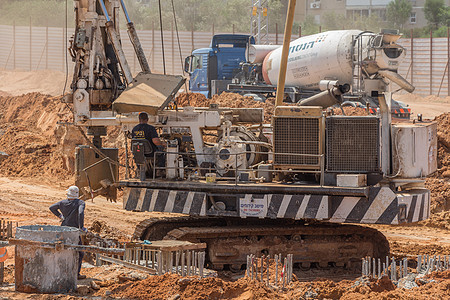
<point x="348" y="104"/>
<point x="256" y="97"/>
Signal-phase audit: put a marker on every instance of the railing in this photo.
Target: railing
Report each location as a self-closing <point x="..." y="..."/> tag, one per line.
<point x="237" y="170"/>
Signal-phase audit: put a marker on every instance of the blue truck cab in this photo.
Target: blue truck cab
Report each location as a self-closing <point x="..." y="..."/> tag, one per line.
<point x="211" y="69"/>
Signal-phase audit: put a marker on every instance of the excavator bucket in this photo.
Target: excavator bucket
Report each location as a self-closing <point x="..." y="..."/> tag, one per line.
<point x="148" y="92"/>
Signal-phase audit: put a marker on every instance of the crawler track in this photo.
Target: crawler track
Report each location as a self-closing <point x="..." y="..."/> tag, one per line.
<point x="317" y="244"/>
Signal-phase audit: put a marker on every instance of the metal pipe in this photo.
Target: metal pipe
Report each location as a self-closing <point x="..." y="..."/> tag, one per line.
<point x="393" y="270"/>
<point x="405" y="267"/>
<point x="285" y="52"/>
<point x="373" y="268"/>
<point x="379" y="268"/>
<point x="125" y="11"/>
<point x="135" y="41"/>
<point x="385" y="104"/>
<point x="262" y="268"/>
<point x="105" y="12"/>
<point x="276" y="269"/>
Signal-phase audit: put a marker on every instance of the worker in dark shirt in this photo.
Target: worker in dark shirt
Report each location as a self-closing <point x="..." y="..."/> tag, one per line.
<point x="146" y="131"/>
<point x="71" y="213"/>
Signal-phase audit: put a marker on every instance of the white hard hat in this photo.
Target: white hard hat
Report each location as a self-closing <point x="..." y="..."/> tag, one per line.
<point x="72" y="192"/>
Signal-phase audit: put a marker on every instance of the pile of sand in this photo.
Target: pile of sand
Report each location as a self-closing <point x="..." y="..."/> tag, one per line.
<point x="35" y="145"/>
<point x="438" y="183"/>
<point x="170" y="286"/>
<point x="227" y="100"/>
<point x="350" y="111"/>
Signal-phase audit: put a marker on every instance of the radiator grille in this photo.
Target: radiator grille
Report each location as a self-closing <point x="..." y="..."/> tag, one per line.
<point x="296" y="136"/>
<point x="353" y="144"/>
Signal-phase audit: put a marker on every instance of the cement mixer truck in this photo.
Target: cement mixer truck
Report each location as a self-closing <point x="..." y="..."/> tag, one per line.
<point x="364" y="61"/>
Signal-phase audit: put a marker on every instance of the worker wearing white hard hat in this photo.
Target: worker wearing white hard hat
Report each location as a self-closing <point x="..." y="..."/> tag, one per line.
<point x="71" y="213"/>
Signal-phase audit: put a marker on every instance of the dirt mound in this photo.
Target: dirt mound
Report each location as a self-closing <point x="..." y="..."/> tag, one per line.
<point x="439" y="220"/>
<point x="192" y="99"/>
<point x="438" y="183"/>
<point x="37" y="146"/>
<point x="31" y="138"/>
<point x="350" y="111"/>
<point x="169" y="285"/>
<point x="105" y="231"/>
<point x="225" y="99"/>
<point x="42" y="81"/>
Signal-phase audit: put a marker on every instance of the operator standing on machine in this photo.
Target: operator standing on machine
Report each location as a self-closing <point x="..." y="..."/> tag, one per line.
<point x="71" y="213"/>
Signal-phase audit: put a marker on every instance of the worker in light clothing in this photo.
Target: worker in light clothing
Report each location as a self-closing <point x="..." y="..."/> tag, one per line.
<point x="71" y="213"/>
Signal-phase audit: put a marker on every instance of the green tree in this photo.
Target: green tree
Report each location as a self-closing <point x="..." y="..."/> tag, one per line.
<point x="309" y="26"/>
<point x="333" y="21"/>
<point x="436" y="13"/>
<point x="398" y="12"/>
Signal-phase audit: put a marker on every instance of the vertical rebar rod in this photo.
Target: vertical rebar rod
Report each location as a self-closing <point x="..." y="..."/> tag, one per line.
<point x="284" y="272"/>
<point x="291" y="267"/>
<point x="373" y="268"/>
<point x="268" y="268"/>
<point x="251" y="267"/>
<point x="256" y="268"/>
<point x="364" y="267"/>
<point x="276" y="269"/>
<point x="379" y="268"/>
<point x="393" y="270"/>
<point x="177" y="262"/>
<point x="387" y="264"/>
<point x="188" y="264"/>
<point x="262" y="267"/>
<point x="246" y="269"/>
<point x="183" y="261"/>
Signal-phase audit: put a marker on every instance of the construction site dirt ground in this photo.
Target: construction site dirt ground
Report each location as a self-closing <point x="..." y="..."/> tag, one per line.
<point x="38" y="171"/>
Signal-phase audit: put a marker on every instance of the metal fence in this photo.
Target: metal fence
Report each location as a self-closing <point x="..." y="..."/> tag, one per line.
<point x="34" y="48"/>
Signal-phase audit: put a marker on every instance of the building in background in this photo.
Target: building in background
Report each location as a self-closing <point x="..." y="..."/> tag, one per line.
<point x="354" y="9"/>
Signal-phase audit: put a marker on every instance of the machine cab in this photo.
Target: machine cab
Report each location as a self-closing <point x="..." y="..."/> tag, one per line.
<point x="219" y="62"/>
<point x="196" y="66"/>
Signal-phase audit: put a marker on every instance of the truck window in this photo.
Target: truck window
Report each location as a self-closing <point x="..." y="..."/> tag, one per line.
<point x="197" y="62"/>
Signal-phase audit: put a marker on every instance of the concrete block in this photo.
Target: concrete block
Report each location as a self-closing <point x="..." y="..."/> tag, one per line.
<point x="351" y="180"/>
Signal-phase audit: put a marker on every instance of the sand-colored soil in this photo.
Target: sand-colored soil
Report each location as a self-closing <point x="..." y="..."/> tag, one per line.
<point x="42" y="81"/>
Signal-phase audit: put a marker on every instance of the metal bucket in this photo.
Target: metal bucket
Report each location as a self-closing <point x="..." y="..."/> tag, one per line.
<point x="44" y="269"/>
